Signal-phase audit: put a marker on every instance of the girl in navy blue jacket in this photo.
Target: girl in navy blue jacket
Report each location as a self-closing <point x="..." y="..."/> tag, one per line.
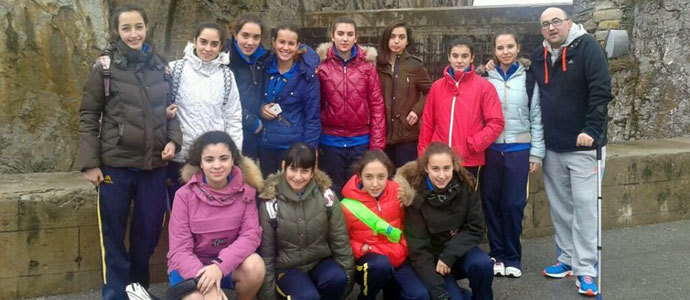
<point x="290" y="110"/>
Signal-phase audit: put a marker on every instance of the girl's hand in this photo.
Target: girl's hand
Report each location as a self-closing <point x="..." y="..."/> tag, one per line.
<point x="209" y="278"/>
<point x="490" y="65"/>
<point x="94" y="175"/>
<point x="412" y="118"/>
<point x="365" y="248"/>
<point x="169" y="151"/>
<point x="266" y="113"/>
<point x="171" y="111"/>
<point x="442" y="268"/>
<point x="533" y="167"/>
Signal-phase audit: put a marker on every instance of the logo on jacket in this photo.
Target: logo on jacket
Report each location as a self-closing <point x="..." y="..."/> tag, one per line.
<point x="570" y="62"/>
<point x="218" y="242"/>
<point x="107" y="179"/>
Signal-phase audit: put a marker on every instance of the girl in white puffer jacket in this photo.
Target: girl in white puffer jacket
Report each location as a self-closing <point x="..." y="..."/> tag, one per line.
<point x="205" y="95"/>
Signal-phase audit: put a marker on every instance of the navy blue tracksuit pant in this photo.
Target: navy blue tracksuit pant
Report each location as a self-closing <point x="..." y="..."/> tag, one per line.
<point x="174" y="182"/>
<point x="327" y="280"/>
<point x="270" y="160"/>
<point x="337" y="163"/>
<point x="504" y="196"/>
<point x="122" y="266"/>
<point x="375" y="272"/>
<point x="478" y="268"/>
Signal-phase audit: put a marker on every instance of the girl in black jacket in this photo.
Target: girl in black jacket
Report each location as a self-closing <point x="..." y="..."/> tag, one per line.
<point x="444" y="226"/>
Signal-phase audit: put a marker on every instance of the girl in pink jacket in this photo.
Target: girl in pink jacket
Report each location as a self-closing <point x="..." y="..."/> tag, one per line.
<point x="214" y="226"/>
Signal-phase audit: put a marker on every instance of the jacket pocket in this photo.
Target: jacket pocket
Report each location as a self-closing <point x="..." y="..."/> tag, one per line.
<point x="214" y="234"/>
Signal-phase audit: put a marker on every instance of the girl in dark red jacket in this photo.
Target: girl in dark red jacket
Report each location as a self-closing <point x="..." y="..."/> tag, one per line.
<point x="374" y="218"/>
<point x="352" y="108"/>
<point x="462" y="109"/>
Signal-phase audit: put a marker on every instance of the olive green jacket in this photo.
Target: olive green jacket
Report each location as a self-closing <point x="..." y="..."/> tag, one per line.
<point x="306" y="231"/>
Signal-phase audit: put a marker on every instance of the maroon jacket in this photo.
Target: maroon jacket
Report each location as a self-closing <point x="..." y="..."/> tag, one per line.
<point x="351" y="99"/>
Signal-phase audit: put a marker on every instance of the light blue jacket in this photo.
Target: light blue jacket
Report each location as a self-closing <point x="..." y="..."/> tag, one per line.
<point x="522" y="123"/>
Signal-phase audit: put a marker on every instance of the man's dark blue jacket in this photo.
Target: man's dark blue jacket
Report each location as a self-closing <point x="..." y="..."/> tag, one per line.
<point x="574" y="93"/>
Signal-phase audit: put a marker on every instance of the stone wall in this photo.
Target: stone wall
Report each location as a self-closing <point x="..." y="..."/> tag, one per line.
<point x="49" y="230"/>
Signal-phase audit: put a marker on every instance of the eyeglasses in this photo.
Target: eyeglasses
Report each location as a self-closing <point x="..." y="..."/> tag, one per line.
<point x="555" y="22"/>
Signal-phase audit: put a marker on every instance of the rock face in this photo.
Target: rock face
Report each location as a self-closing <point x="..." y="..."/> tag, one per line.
<point x="652" y="84"/>
<point x="46" y="48"/>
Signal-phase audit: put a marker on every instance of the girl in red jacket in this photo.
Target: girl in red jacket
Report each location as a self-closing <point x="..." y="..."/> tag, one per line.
<point x="374" y="217"/>
<point x="462" y="109"/>
<point x="352" y="108"/>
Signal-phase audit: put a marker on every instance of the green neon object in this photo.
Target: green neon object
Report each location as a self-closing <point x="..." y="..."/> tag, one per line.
<point x="376" y="223"/>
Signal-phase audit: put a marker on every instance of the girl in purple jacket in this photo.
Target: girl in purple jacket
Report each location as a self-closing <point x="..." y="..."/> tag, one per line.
<point x="214" y="226"/>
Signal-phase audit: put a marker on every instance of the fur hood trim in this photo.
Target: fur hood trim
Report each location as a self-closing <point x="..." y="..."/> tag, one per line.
<point x="324" y="48"/>
<point x="405" y="191"/>
<point x="270" y="187"/>
<point x="250" y="173"/>
<point x="413" y="177"/>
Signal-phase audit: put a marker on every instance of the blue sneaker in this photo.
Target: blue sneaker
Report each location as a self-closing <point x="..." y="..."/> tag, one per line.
<point x="559" y="270"/>
<point x="586" y="285"/>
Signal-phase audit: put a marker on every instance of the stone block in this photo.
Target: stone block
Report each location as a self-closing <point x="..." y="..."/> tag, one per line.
<point x="48" y="251"/>
<point x="600" y="35"/>
<point x="8" y="214"/>
<point x="604" y="5"/>
<point x="610" y="24"/>
<point x="654" y="218"/>
<point x="57" y="209"/>
<point x="9" y="255"/>
<point x="540" y="208"/>
<point x="608" y="14"/>
<point x="89" y="258"/>
<point x="59" y="283"/>
<point x="8" y="288"/>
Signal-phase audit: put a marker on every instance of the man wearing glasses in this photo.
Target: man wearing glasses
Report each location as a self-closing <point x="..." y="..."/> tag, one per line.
<point x="571" y="71"/>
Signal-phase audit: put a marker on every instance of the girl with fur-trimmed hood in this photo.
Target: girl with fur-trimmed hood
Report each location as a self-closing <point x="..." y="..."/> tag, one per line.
<point x="374" y="216"/>
<point x="444" y="226"/>
<point x="352" y="107"/>
<point x="214" y="227"/>
<point x="305" y="243"/>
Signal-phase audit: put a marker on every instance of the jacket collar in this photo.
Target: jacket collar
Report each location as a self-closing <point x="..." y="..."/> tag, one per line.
<point x="364" y="53"/>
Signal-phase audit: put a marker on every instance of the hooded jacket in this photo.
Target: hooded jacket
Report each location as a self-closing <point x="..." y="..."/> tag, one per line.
<point x="575" y="89"/>
<point x="388" y="207"/>
<point x="201" y="88"/>
<point x="306" y="234"/>
<point x="299" y="101"/>
<point x="441" y="224"/>
<point x="351" y="100"/>
<point x="404" y="89"/>
<point x="249" y="78"/>
<point x="127" y="129"/>
<point x="214" y="226"/>
<point x="463" y="112"/>
<point x="522" y="116"/>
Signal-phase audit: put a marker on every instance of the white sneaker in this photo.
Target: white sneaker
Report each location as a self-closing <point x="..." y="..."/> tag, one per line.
<point x="499" y="268"/>
<point x="511" y="272"/>
<point x="137" y="292"/>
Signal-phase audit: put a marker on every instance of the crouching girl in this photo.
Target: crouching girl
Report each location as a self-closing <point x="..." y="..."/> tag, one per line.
<point x="444" y="225"/>
<point x="305" y="244"/>
<point x="214" y="226"/>
<point x="374" y="217"/>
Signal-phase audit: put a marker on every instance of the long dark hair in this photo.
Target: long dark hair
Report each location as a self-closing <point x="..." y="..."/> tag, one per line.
<point x="211" y="138"/>
<point x="384" y="51"/>
<point x="115" y="20"/>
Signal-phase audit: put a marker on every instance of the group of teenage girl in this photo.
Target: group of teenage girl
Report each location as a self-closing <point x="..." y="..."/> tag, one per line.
<point x="368" y="173"/>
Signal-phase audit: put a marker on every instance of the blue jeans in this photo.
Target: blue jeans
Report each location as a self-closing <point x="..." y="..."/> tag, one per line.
<point x="478" y="268"/>
<point x="337" y="163"/>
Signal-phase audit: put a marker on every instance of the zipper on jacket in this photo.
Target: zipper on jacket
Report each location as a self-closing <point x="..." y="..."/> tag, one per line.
<point x="452" y="115"/>
<point x="378" y="205"/>
<point x="345" y="79"/>
<point x="505" y="114"/>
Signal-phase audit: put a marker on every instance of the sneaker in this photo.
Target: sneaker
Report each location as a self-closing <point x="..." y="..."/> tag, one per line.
<point x="499" y="268"/>
<point x="559" y="270"/>
<point x="513" y="272"/>
<point x="137" y="292"/>
<point x="586" y="285"/>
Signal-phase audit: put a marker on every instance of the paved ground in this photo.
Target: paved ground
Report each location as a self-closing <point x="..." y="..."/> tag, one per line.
<point x="649" y="262"/>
